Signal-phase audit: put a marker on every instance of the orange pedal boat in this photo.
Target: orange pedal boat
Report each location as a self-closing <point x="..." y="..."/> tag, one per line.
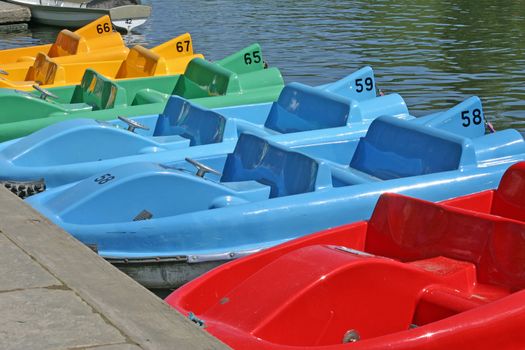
<point x="169" y="58"/>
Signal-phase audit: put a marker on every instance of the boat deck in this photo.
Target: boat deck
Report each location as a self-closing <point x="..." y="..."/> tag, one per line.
<point x="13" y="17"/>
<point x="55" y="293"/>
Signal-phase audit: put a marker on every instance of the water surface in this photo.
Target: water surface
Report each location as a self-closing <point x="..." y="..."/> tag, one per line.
<point x="434" y="53"/>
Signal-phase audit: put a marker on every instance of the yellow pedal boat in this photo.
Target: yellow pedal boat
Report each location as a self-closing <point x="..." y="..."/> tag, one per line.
<point x="169" y="58"/>
<point x="96" y="41"/>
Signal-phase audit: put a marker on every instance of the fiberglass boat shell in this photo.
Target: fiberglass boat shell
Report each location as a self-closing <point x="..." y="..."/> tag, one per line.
<point x="418" y="275"/>
<point x="75" y="149"/>
<point x="230" y="81"/>
<point x="169" y="58"/>
<point x="267" y="193"/>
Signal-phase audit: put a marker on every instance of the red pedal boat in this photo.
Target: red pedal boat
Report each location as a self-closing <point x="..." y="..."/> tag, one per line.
<point x="417" y="275"/>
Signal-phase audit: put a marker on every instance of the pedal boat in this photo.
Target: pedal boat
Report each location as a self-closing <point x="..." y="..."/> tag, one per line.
<point x="75" y="149"/>
<point x="227" y="82"/>
<point x="418" y="275"/>
<point x="94" y="42"/>
<point x="169" y="58"/>
<point x="164" y="224"/>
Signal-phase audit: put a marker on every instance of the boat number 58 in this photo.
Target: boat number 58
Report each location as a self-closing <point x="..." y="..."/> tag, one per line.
<point x="248" y="57"/>
<point x="369" y="84"/>
<point x="101" y="29"/>
<point x="476" y="118"/>
<point x="104" y="178"/>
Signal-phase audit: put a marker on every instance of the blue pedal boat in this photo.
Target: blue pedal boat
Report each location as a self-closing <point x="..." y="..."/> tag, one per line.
<point x="73" y="150"/>
<point x="163" y="224"/>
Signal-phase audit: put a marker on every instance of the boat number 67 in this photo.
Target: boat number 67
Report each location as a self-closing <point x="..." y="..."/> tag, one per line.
<point x="369" y="84"/>
<point x="104" y="178"/>
<point x="477" y="118"/>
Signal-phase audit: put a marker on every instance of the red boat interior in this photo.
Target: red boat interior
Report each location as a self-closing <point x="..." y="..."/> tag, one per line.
<point x="424" y="262"/>
<point x="507" y="201"/>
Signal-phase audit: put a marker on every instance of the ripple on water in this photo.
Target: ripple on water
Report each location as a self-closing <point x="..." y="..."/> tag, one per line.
<point x="434" y="53"/>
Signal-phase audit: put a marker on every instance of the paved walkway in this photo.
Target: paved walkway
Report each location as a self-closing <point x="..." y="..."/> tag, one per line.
<point x="55" y="293"/>
<point x="11" y="13"/>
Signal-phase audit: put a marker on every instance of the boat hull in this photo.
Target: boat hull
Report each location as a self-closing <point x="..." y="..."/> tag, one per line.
<point x="446" y="275"/>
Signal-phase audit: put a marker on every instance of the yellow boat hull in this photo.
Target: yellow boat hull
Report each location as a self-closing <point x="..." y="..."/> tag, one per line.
<point x="96" y="41"/>
<point x="169" y="58"/>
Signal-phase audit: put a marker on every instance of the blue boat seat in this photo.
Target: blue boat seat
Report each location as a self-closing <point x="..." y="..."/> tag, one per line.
<point x="200" y="126"/>
<point x="286" y="172"/>
<point x="303" y="108"/>
<point x="394" y="149"/>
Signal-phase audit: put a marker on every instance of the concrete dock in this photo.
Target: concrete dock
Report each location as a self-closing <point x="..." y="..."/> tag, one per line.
<point x="13" y="17"/>
<point x="55" y="293"/>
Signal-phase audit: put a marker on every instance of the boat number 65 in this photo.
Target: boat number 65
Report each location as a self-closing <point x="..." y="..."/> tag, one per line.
<point x="369" y="84"/>
<point x="104" y="178"/>
<point x="101" y="29"/>
<point x="248" y="57"/>
<point x="477" y="118"/>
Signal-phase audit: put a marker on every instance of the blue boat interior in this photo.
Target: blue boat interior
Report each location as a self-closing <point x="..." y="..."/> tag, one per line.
<point x="259" y="169"/>
<point x="201" y="126"/>
<point x="286" y="172"/>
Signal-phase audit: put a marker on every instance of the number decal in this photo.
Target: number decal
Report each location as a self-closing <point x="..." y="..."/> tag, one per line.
<point x="248" y="57"/>
<point x="103" y="28"/>
<point x="369" y="84"/>
<point x="477" y="118"/>
<point x="104" y="178"/>
<point x="180" y="46"/>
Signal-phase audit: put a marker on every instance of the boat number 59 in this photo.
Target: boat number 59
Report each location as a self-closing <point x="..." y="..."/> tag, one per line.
<point x="369" y="84"/>
<point x="248" y="57"/>
<point x="104" y="178"/>
<point x="101" y="29"/>
<point x="477" y="118"/>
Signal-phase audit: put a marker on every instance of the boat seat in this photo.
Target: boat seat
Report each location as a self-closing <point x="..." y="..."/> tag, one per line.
<point x="147" y="96"/>
<point x="303" y="108"/>
<point x="99" y="92"/>
<point x="141" y="62"/>
<point x="180" y="117"/>
<point x="348" y="176"/>
<point x="203" y="79"/>
<point x="45" y="71"/>
<point x="509" y="199"/>
<point x="286" y="172"/>
<point x="495" y="245"/>
<point x="68" y="43"/>
<point x="394" y="149"/>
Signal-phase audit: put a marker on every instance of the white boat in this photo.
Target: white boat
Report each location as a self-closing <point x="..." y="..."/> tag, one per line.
<point x="77" y="13"/>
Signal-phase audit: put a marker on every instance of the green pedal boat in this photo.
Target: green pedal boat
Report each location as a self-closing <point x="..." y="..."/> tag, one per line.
<point x="240" y="78"/>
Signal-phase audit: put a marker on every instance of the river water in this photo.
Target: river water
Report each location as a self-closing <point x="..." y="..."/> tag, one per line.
<point x="433" y="53"/>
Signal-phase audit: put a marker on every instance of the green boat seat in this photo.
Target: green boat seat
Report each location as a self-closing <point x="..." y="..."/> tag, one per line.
<point x="203" y="79"/>
<point x="99" y="92"/>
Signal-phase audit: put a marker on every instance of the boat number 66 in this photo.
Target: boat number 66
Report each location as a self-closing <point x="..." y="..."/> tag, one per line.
<point x="104" y="178"/>
<point x="106" y="28"/>
<point x="477" y="118"/>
